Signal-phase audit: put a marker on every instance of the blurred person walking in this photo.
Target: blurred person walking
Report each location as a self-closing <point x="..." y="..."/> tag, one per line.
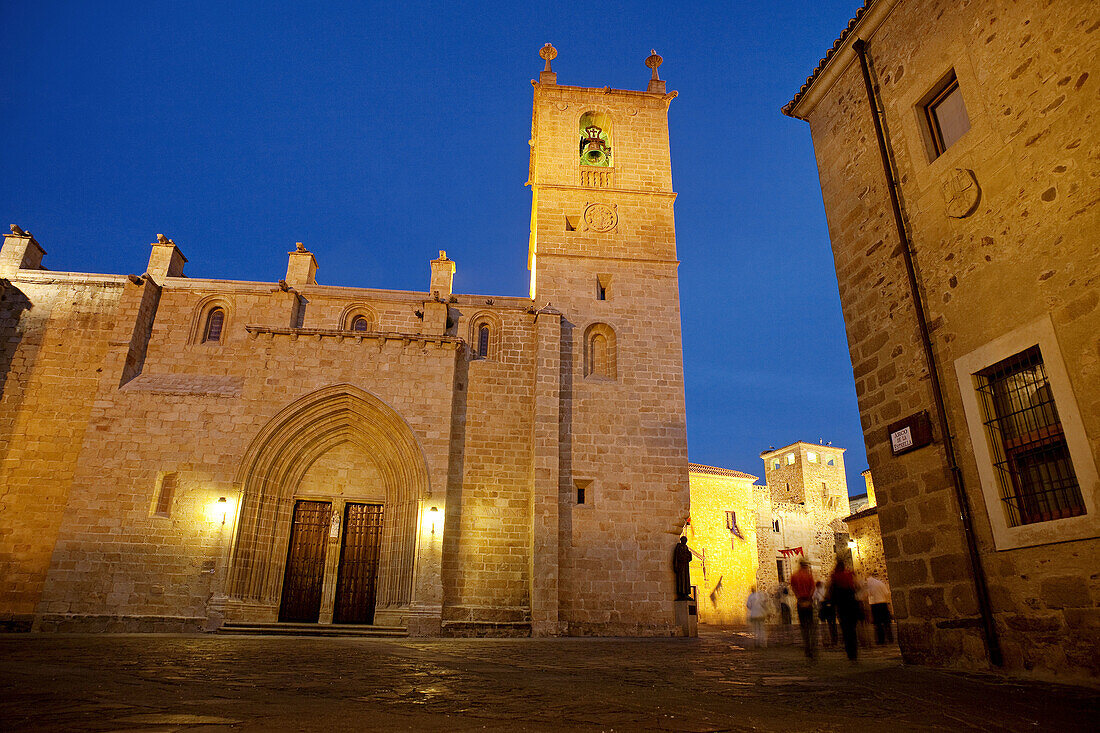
<point x="842" y="591"/>
<point x="757" y="604"/>
<point x="878" y="596"/>
<point x="826" y="612"/>
<point x="802" y="583"/>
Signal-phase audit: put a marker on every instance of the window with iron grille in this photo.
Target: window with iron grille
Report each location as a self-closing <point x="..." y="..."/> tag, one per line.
<point x="1030" y="455"/>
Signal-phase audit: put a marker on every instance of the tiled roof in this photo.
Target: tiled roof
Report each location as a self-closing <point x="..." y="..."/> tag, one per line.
<point x="862" y="513"/>
<point x="828" y="55"/>
<point x="715" y="471"/>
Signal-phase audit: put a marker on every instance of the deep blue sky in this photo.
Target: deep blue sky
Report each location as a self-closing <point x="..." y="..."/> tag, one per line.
<point x="379" y="133"/>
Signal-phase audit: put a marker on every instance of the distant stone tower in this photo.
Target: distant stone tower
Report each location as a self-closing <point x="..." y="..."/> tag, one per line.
<point x="800" y="511"/>
<point x="603" y="254"/>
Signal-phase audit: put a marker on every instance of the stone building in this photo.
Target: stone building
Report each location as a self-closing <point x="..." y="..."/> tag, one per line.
<point x="865" y="537"/>
<point x="744" y="534"/>
<point x="956" y="145"/>
<point x="722" y="534"/>
<point x="178" y="452"/>
<point x="800" y="510"/>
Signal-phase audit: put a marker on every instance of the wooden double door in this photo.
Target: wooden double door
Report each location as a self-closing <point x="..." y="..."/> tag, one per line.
<point x="356" y="578"/>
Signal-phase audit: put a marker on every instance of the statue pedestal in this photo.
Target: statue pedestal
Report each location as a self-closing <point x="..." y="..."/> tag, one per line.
<point x="687" y="617"/>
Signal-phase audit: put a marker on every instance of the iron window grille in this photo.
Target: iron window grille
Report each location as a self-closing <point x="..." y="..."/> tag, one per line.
<point x="1035" y="476"/>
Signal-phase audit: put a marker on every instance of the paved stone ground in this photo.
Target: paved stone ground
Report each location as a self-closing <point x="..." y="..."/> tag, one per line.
<point x="217" y="683"/>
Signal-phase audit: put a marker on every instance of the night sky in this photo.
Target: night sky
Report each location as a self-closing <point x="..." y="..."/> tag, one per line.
<point x="380" y="133"/>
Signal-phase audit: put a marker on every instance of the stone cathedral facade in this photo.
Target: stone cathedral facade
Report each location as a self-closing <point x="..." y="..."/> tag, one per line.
<point x="181" y="453"/>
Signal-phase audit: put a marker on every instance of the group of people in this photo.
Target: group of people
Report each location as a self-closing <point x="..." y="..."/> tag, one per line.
<point x="839" y="602"/>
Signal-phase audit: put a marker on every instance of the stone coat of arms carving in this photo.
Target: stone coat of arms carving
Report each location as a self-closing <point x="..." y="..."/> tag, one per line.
<point x="600" y="217"/>
<point x="961" y="193"/>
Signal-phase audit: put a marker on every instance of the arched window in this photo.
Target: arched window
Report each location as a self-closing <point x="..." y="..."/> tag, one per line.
<point x="599" y="354"/>
<point x="599" y="351"/>
<point x="595" y="139"/>
<point x="484" y="336"/>
<point x="215" y="319"/>
<point x="360" y="323"/>
<point x="483" y="341"/>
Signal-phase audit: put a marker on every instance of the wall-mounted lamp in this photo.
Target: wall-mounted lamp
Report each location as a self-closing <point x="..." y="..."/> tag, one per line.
<point x="432" y="513"/>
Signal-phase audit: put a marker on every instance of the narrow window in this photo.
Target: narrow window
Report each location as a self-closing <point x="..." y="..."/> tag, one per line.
<point x="215" y="319"/>
<point x="779" y="569"/>
<point x="824" y="489"/>
<point x="599" y="354"/>
<point x="165" y="495"/>
<point x="775" y="525"/>
<point x="945" y="115"/>
<point x="1036" y="477"/>
<point x="601" y="291"/>
<point x="582" y="490"/>
<point x="731" y="524"/>
<point x="483" y="342"/>
<point x="580" y="494"/>
<point x="360" y="323"/>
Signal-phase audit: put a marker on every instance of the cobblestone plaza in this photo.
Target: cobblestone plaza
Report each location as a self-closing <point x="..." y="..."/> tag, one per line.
<point x="711" y="683"/>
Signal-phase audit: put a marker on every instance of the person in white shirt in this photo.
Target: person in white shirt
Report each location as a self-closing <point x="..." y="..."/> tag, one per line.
<point x="757" y="604"/>
<point x="878" y="596"/>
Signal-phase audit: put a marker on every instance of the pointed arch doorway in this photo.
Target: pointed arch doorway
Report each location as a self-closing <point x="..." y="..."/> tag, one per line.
<point x="327" y="528"/>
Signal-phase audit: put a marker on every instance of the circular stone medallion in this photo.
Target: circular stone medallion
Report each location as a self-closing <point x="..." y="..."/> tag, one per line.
<point x="600" y="217"/>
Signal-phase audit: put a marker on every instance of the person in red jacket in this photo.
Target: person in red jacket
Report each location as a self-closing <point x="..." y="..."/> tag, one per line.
<point x="803" y="585"/>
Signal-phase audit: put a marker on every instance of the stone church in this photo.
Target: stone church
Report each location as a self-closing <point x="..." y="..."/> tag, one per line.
<point x="180" y="453"/>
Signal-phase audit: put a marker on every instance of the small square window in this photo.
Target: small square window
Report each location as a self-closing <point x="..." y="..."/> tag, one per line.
<point x="584" y="496"/>
<point x="811" y="457"/>
<point x="775" y="464"/>
<point x="790" y="459"/>
<point x="945" y="116"/>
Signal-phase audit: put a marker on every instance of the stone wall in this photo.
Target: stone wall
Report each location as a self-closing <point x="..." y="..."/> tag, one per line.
<point x="623" y="433"/>
<point x="729" y="557"/>
<point x="56" y="332"/>
<point x="110" y="387"/>
<point x="1024" y="253"/>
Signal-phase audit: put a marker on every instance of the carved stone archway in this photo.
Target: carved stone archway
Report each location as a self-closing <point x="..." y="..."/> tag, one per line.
<point x="272" y="469"/>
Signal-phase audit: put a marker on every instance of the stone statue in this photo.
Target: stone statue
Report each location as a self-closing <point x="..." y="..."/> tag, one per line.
<point x="681" y="559"/>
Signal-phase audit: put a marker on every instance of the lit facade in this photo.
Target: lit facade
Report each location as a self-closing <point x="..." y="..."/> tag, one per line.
<point x="955" y="144"/>
<point x="180" y="453"/>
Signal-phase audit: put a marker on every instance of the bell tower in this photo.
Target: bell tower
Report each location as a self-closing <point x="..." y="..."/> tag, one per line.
<point x="603" y="254"/>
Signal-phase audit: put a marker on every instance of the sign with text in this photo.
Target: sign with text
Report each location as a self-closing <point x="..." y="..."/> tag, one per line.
<point x="910" y="433"/>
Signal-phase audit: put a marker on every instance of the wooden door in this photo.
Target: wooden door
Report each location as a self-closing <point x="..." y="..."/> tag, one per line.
<point x="305" y="562"/>
<point x="359" y="553"/>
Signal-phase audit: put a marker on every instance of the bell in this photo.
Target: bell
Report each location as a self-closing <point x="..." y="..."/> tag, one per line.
<point x="594" y="153"/>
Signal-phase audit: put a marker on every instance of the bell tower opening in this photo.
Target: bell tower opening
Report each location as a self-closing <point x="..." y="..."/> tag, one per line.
<point x="595" y="135"/>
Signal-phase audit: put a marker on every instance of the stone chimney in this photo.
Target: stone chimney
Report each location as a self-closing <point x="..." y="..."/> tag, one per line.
<point x="443" y="272"/>
<point x="165" y="260"/>
<point x="302" y="267"/>
<point x="20" y="252"/>
<point x="870" y="489"/>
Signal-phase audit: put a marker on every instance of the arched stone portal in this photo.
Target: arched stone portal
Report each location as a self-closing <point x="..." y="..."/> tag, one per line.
<point x="338" y="421"/>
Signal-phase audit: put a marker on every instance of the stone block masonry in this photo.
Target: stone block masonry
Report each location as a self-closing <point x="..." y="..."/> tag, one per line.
<point x="176" y="453"/>
<point x="1003" y="223"/>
